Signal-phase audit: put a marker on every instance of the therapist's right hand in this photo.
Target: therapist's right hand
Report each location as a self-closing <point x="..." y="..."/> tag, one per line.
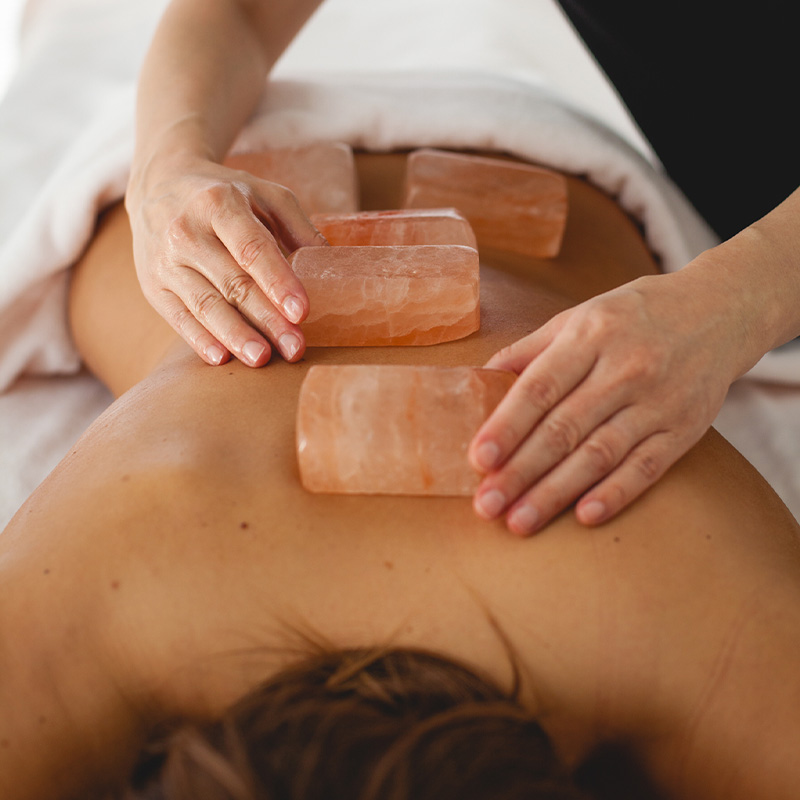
<point x="209" y="243"/>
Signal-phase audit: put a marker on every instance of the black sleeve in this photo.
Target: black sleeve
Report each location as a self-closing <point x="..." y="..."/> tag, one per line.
<point x="714" y="88"/>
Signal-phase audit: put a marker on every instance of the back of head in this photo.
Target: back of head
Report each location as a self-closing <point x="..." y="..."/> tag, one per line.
<point x="357" y="725"/>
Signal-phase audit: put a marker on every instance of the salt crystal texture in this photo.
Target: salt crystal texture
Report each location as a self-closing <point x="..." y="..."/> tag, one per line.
<point x="322" y="176"/>
<point x="408" y="295"/>
<point x="511" y="206"/>
<point x="396" y="227"/>
<point x="399" y="430"/>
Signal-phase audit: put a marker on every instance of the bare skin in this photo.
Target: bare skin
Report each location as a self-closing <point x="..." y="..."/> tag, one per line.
<point x="156" y="573"/>
<point x="611" y="394"/>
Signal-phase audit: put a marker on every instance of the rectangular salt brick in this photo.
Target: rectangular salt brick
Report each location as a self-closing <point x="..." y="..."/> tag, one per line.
<point x="400" y="430"/>
<point x="511" y="206"/>
<point x="369" y="296"/>
<point x="397" y="227"/>
<point x="322" y="176"/>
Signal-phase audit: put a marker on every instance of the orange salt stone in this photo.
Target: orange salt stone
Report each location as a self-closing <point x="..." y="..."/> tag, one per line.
<point x="322" y="176"/>
<point x="368" y="296"/>
<point x="376" y="429"/>
<point x="511" y="206"/>
<point x="396" y="227"/>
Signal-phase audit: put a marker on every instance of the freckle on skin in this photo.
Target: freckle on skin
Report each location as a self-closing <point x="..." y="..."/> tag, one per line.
<point x="126" y="478"/>
<point x="5" y="744"/>
<point x="115" y="585"/>
<point x="46" y="572"/>
<point x="388" y="565"/>
<point x="616" y="539"/>
<point x="244" y="525"/>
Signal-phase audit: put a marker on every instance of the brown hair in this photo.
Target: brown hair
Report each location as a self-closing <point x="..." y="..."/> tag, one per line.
<point x="395" y="724"/>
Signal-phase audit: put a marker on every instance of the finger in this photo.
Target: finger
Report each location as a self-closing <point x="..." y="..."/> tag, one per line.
<point x="174" y="311"/>
<point x="642" y="467"/>
<point x="255" y="250"/>
<point x="242" y="292"/>
<point x="280" y="210"/>
<point x="516" y="356"/>
<point x="597" y="457"/>
<point x="221" y="319"/>
<point x="542" y="385"/>
<point x="583" y="417"/>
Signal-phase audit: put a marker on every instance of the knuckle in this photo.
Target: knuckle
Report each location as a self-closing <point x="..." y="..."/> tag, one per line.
<point x="179" y="234"/>
<point x="236" y="288"/>
<point x="601" y="454"/>
<point x="219" y="193"/>
<point x="279" y="194"/>
<point x="203" y="303"/>
<point x="643" y="367"/>
<point x="648" y="465"/>
<point x="251" y="252"/>
<point x="561" y="433"/>
<point x="540" y="391"/>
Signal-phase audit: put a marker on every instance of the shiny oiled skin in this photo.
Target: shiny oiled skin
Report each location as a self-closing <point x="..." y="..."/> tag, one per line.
<point x="164" y="564"/>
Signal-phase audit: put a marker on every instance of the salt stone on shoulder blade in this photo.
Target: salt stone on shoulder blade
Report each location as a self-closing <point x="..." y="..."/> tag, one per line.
<point x="511" y="206"/>
<point x="396" y="227"/>
<point x="322" y="176"/>
<point x="372" y="296"/>
<point x="397" y="430"/>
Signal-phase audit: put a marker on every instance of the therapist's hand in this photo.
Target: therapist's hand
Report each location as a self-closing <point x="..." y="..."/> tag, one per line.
<point x="609" y="395"/>
<point x="208" y="243"/>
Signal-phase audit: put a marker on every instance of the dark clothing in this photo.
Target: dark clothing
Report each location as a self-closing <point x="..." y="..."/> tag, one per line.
<point x="714" y="88"/>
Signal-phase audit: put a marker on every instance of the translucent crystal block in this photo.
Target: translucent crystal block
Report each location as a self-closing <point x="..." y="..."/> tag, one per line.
<point x="322" y="176"/>
<point x="375" y="429"/>
<point x="511" y="206"/>
<point x="368" y="296"/>
<point x="399" y="227"/>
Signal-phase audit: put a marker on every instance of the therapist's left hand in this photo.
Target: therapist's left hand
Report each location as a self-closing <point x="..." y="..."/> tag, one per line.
<point x="610" y="394"/>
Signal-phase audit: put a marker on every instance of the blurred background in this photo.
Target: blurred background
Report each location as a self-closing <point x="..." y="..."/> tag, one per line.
<point x="10" y="13"/>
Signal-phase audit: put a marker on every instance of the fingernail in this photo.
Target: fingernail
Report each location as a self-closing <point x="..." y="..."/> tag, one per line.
<point x="289" y="345"/>
<point x="524" y="519"/>
<point x="215" y="354"/>
<point x="293" y="309"/>
<point x="487" y="455"/>
<point x="253" y="351"/>
<point x="490" y="503"/>
<point x="593" y="512"/>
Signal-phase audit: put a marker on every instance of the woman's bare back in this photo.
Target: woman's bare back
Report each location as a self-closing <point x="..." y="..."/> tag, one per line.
<point x="177" y="538"/>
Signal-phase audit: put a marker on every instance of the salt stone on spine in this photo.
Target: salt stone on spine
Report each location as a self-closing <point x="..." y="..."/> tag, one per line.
<point x="396" y="227"/>
<point x="399" y="430"/>
<point x="371" y="296"/>
<point x="322" y="176"/>
<point x="511" y="206"/>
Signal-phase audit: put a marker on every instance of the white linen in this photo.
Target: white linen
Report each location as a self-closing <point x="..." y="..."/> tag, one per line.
<point x="504" y="75"/>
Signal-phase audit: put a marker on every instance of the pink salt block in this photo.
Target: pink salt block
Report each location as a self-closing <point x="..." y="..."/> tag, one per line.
<point x="397" y="227"/>
<point x="401" y="430"/>
<point x="511" y="206"/>
<point x="368" y="296"/>
<point x="322" y="176"/>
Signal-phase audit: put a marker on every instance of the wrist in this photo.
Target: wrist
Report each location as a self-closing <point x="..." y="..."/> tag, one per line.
<point x="740" y="278"/>
<point x="723" y="311"/>
<point x="178" y="149"/>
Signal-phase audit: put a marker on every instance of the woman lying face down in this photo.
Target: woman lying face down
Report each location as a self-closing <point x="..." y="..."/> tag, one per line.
<point x="157" y="576"/>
